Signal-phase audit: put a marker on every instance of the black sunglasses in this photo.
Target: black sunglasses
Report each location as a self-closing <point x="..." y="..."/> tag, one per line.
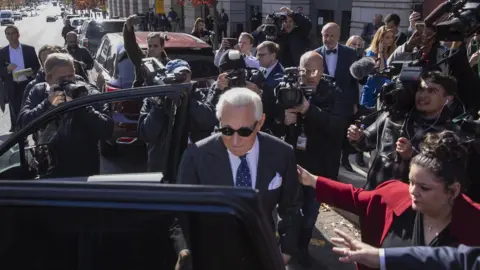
<point x="242" y="132"/>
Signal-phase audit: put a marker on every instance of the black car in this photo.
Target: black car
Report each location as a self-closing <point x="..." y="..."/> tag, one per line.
<point x="91" y="33"/>
<point x="113" y="71"/>
<point x="119" y="221"/>
<point x="51" y="18"/>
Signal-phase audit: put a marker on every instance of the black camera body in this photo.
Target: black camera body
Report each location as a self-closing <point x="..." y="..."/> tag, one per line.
<point x="172" y="78"/>
<point x="463" y="21"/>
<point x="273" y="27"/>
<point x="154" y="71"/>
<point x="290" y="92"/>
<point x="239" y="78"/>
<point x="72" y="89"/>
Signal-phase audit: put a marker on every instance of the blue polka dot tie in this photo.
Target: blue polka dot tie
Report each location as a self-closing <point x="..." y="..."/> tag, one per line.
<point x="244" y="178"/>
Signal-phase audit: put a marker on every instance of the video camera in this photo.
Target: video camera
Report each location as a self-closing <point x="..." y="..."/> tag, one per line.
<point x="463" y="19"/>
<point x="72" y="89"/>
<point x="239" y="77"/>
<point x="290" y="92"/>
<point x="274" y="25"/>
<point x="154" y="71"/>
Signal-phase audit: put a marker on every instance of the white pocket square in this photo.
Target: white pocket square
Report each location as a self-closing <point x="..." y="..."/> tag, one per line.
<point x="276" y="182"/>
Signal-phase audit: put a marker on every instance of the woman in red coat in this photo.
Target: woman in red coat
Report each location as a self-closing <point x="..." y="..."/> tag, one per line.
<point x="429" y="211"/>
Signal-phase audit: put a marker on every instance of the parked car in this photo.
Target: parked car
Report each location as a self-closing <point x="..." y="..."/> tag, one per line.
<point x="92" y="32"/>
<point x="6" y="17"/>
<point x="113" y="70"/>
<point x="24" y="14"/>
<point x="17" y="16"/>
<point x="51" y="18"/>
<point x="77" y="22"/>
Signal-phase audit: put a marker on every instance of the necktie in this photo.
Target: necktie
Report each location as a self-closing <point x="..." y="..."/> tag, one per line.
<point x="334" y="51"/>
<point x="244" y="178"/>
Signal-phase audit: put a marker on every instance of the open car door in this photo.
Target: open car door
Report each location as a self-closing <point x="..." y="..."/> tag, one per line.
<point x="22" y="158"/>
<point x="101" y="226"/>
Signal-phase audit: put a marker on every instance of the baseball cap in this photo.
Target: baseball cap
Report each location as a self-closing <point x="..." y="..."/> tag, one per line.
<point x="232" y="59"/>
<point x="177" y="65"/>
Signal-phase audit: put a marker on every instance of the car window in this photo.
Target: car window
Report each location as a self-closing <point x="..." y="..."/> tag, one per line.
<point x="203" y="68"/>
<point x="109" y="62"/>
<point x="100" y="29"/>
<point x="103" y="51"/>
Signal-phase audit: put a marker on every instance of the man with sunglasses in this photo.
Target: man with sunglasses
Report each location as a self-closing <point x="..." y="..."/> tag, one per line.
<point x="154" y="116"/>
<point x="240" y="155"/>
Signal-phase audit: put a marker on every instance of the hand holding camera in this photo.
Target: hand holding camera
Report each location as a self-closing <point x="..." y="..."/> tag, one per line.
<point x="57" y="97"/>
<point x="222" y="81"/>
<point x="354" y="133"/>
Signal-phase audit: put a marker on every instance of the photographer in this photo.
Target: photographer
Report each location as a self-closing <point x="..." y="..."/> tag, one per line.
<point x="74" y="138"/>
<point x="293" y="40"/>
<point x="319" y="144"/>
<point x="244" y="45"/>
<point x="234" y="73"/>
<point x="156" y="44"/>
<point x="396" y="137"/>
<point x="152" y="124"/>
<point x="422" y="38"/>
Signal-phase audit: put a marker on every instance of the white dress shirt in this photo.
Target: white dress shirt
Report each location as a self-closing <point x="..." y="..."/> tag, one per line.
<point x="252" y="160"/>
<point x="269" y="69"/>
<point x="16" y="57"/>
<point x="331" y="60"/>
<point x="383" y="264"/>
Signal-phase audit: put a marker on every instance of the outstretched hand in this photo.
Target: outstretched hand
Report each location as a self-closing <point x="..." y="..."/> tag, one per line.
<point x="355" y="251"/>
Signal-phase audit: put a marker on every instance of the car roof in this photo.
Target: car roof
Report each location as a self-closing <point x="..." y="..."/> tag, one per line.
<point x="107" y="20"/>
<point x="174" y="40"/>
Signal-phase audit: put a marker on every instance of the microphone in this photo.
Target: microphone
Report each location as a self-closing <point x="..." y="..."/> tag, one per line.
<point x="362" y="68"/>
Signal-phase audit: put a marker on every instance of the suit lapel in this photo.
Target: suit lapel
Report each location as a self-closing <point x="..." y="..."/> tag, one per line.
<point x="6" y="54"/>
<point x="339" y="62"/>
<point x="263" y="172"/>
<point x="24" y="54"/>
<point x="219" y="159"/>
<point x="323" y="53"/>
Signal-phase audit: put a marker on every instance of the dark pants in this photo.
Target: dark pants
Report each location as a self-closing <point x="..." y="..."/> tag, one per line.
<point x="15" y="98"/>
<point x="310" y="211"/>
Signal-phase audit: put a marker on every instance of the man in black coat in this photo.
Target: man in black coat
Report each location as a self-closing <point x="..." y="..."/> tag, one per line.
<point x="13" y="58"/>
<point x="73" y="138"/>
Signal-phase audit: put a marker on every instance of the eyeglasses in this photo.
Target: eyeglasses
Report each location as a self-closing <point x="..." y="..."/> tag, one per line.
<point x="242" y="132"/>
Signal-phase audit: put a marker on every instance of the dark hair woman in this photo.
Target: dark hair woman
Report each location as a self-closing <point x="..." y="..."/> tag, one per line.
<point x="200" y="32"/>
<point x="431" y="210"/>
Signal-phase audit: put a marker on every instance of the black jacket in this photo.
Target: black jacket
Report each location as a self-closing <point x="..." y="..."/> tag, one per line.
<point x="136" y="55"/>
<point x="153" y="121"/>
<point x="66" y="29"/>
<point x="382" y="136"/>
<point x="74" y="136"/>
<point x="294" y="44"/>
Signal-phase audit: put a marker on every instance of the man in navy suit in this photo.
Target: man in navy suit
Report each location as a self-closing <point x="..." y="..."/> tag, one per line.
<point x="424" y="258"/>
<point x="267" y="53"/>
<point x="337" y="61"/>
<point x="16" y="57"/>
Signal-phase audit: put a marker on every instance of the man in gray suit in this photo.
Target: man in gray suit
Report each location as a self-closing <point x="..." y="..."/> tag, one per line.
<point x="242" y="156"/>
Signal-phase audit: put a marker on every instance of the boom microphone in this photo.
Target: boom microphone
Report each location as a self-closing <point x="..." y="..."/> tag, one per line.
<point x="362" y="68"/>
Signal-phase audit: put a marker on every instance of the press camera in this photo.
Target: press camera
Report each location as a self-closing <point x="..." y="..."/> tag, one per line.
<point x="274" y="25"/>
<point x="72" y="89"/>
<point x="239" y="78"/>
<point x="290" y="92"/>
<point x="156" y="73"/>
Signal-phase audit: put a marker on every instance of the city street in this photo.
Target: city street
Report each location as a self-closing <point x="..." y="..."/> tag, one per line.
<point x="35" y="31"/>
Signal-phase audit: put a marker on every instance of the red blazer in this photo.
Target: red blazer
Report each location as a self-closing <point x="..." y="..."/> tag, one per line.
<point x="377" y="207"/>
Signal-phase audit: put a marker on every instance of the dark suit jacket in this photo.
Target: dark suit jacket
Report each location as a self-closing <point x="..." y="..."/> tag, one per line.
<point x="30" y="60"/>
<point x="207" y="163"/>
<point x="427" y="258"/>
<point x="343" y="78"/>
<point x="276" y="76"/>
<point x="378" y="207"/>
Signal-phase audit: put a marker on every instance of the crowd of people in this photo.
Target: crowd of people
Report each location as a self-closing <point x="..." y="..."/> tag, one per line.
<point x="421" y="186"/>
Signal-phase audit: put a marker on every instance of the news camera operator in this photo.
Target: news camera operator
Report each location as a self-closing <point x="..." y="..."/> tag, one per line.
<point x="154" y="115"/>
<point x="235" y="73"/>
<point x="156" y="45"/>
<point x="74" y="138"/>
<point x="318" y="128"/>
<point x="290" y="30"/>
<point x="396" y="134"/>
